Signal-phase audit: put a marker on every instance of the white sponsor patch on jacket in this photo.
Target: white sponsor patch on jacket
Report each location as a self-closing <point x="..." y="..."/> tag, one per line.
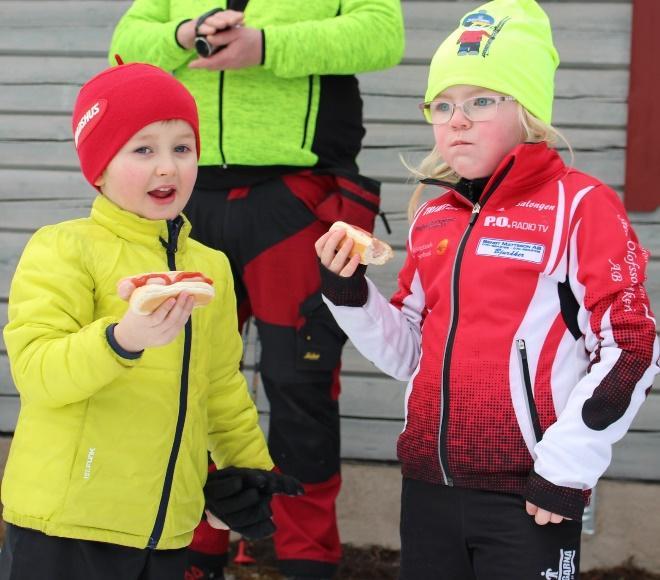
<point x="526" y="251"/>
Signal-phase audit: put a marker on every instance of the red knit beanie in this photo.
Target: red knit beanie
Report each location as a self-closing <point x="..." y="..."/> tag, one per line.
<point x="115" y="104"/>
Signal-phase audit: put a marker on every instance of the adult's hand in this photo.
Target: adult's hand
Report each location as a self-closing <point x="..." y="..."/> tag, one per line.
<point x="243" y="47"/>
<point x="225" y="19"/>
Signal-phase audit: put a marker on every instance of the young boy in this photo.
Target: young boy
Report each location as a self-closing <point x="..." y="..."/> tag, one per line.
<point x="106" y="471"/>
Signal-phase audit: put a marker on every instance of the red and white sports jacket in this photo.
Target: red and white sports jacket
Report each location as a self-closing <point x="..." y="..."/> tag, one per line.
<point x="523" y="329"/>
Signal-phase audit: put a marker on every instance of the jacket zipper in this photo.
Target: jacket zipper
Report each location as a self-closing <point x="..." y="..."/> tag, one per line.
<point x="310" y="90"/>
<point x="451" y="334"/>
<point x="529" y="392"/>
<point x="221" y="86"/>
<point x="173" y="228"/>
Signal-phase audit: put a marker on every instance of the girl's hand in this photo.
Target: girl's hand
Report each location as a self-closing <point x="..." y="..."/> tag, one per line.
<point x="541" y="516"/>
<point x="135" y="332"/>
<point x="337" y="261"/>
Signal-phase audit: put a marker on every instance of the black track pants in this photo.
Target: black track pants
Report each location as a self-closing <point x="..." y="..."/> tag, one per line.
<point x="450" y="533"/>
<point x="31" y="555"/>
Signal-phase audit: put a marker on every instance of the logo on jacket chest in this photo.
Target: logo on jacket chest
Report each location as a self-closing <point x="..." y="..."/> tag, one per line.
<point x="512" y="249"/>
<point x="430" y="248"/>
<point x="503" y="221"/>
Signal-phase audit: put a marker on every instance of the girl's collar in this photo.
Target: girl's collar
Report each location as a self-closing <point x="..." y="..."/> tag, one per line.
<point x="526" y="167"/>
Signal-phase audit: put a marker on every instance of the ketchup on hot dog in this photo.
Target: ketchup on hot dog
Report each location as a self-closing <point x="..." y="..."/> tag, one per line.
<point x="142" y="280"/>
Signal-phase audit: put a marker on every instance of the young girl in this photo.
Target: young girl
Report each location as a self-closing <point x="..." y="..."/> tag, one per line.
<point x="520" y="321"/>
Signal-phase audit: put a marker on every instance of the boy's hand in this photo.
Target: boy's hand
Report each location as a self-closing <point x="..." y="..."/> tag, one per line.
<point x="541" y="516"/>
<point x="136" y="332"/>
<point x="337" y="261"/>
<point x="239" y="498"/>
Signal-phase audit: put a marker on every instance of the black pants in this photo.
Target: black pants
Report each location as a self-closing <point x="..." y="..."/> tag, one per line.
<point x="449" y="533"/>
<point x="31" y="555"/>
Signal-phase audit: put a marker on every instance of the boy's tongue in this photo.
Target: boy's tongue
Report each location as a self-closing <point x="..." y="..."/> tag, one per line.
<point x="161" y="193"/>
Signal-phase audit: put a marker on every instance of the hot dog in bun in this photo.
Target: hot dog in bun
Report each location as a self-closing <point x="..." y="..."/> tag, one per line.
<point x="146" y="292"/>
<point x="371" y="250"/>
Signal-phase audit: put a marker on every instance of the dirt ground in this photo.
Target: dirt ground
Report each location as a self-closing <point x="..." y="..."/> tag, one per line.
<point x="375" y="563"/>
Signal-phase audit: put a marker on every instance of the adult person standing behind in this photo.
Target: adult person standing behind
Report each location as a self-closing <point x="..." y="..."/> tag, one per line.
<point x="281" y="127"/>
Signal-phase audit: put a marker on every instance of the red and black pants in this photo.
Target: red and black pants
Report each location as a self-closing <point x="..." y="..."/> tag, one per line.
<point x="267" y="231"/>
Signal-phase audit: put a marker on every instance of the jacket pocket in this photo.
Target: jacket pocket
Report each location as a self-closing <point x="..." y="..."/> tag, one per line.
<point x="319" y="341"/>
<point x="529" y="391"/>
<point x="353" y="199"/>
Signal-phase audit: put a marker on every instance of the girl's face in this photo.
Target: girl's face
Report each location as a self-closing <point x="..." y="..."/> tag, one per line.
<point x="474" y="149"/>
<point x="153" y="174"/>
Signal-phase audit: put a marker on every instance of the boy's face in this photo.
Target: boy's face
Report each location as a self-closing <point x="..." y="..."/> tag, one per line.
<point x="475" y="149"/>
<point x="153" y="174"/>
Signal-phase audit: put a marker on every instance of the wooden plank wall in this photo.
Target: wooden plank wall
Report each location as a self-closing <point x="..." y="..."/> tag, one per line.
<point x="44" y="60"/>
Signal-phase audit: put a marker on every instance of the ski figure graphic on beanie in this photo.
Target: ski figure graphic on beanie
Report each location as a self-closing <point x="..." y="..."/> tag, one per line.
<point x="475" y="29"/>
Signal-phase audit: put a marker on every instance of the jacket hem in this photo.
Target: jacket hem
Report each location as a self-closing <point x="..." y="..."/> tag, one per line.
<point x="58" y="529"/>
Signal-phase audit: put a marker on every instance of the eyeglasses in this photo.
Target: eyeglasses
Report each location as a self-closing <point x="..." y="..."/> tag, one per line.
<point x="479" y="108"/>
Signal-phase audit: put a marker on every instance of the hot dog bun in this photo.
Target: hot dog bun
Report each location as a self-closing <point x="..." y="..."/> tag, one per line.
<point x="371" y="250"/>
<point x="146" y="292"/>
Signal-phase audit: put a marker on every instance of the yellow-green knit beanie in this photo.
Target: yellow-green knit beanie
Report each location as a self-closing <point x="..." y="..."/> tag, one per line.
<point x="505" y="46"/>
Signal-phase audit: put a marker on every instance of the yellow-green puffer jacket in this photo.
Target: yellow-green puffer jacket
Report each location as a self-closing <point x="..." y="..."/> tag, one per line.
<point x="107" y="448"/>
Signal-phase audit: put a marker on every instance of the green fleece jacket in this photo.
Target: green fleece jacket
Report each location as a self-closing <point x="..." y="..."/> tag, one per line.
<point x="266" y="115"/>
<point x="91" y="455"/>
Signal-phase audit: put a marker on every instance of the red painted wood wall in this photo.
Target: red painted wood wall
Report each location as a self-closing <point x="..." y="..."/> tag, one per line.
<point x="642" y="185"/>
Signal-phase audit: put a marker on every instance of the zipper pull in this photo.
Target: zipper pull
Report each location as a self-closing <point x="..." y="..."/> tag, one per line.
<point x="475" y="213"/>
<point x="521" y="347"/>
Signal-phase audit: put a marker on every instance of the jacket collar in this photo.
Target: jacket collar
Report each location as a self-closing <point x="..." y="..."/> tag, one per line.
<point x="525" y="168"/>
<point x="134" y="228"/>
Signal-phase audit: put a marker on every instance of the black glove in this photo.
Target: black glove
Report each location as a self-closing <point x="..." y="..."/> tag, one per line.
<point x="240" y="497"/>
<point x="342" y="291"/>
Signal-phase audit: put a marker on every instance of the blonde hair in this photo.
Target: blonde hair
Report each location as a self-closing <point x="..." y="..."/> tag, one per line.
<point x="433" y="166"/>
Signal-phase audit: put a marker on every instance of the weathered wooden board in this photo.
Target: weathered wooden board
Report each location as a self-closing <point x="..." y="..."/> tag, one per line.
<point x="385" y="164"/>
<point x="40" y="182"/>
<point x="602" y="112"/>
<point x="30" y="215"/>
<point x="416" y="136"/>
<point x="603" y="40"/>
<point x="382" y="164"/>
<point x="410" y="80"/>
<point x="12" y="243"/>
<point x="404" y="80"/>
<point x="39" y="185"/>
<point x="8" y="414"/>
<point x="568" y="112"/>
<point x="57" y="128"/>
<point x="636" y="457"/>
